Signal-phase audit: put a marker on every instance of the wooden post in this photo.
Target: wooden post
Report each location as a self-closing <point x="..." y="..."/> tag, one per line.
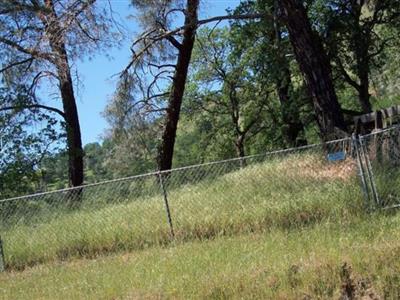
<point x="378" y="120"/>
<point x="378" y="138"/>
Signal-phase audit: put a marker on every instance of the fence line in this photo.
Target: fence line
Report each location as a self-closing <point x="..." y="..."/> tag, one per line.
<point x="230" y="196"/>
<point x="381" y="157"/>
<point x="172" y="170"/>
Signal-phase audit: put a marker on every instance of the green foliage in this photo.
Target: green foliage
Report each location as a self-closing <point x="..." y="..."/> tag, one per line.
<point x="360" y="37"/>
<point x="231" y="96"/>
<point x="26" y="138"/>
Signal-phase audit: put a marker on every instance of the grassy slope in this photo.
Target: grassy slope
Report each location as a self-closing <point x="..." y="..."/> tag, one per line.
<point x="278" y="194"/>
<point x="273" y="230"/>
<point x="281" y="264"/>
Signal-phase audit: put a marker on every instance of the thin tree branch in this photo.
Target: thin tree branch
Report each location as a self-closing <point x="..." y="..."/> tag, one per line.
<point x="31" y="52"/>
<point x="161" y="66"/>
<point x="14" y="64"/>
<point x="346" y="76"/>
<point x="166" y="35"/>
<point x="31" y="106"/>
<point x="231" y="17"/>
<point x="174" y="42"/>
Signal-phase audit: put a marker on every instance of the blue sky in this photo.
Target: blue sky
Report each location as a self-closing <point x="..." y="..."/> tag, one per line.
<point x="96" y="74"/>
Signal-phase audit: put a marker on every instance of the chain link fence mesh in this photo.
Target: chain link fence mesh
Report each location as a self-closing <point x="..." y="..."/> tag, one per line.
<point x="284" y="188"/>
<point x="381" y="164"/>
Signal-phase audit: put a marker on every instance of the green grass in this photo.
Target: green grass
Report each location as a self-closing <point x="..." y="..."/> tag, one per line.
<point x="306" y="263"/>
<point x="283" y="229"/>
<point x="289" y="193"/>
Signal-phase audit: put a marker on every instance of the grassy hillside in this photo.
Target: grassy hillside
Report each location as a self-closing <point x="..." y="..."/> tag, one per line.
<point x="286" y="228"/>
<point x="319" y="261"/>
<point x="283" y="193"/>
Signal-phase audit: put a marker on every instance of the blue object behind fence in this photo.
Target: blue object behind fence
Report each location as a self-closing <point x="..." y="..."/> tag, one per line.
<point x="336" y="156"/>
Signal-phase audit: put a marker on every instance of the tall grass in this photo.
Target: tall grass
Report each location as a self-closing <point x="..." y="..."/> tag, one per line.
<point x="291" y="228"/>
<point x="322" y="261"/>
<point x="293" y="192"/>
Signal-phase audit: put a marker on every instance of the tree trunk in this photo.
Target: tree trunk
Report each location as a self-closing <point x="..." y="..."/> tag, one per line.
<point x="75" y="151"/>
<point x="363" y="75"/>
<point x="166" y="149"/>
<point x="240" y="152"/>
<point x="361" y="39"/>
<point x="364" y="96"/>
<point x="74" y="142"/>
<point x="240" y="146"/>
<point x="292" y="125"/>
<point x="315" y="66"/>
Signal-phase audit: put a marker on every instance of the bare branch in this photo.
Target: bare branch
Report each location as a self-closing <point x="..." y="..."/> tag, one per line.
<point x="166" y="35"/>
<point x="231" y="17"/>
<point x="39" y="76"/>
<point x="162" y="66"/>
<point x="175" y="10"/>
<point x="174" y="42"/>
<point x="153" y="82"/>
<point x="32" y="106"/>
<point x="346" y="75"/>
<point x="14" y="64"/>
<point x="29" y="51"/>
<point x="86" y="33"/>
<point x="157" y="96"/>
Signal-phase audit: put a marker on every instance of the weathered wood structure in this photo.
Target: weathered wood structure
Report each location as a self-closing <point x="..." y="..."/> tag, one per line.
<point x="377" y="120"/>
<point x="383" y="149"/>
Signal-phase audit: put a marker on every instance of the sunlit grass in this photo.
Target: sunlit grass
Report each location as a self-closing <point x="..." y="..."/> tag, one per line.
<point x="292" y="228"/>
<point x="284" y="193"/>
<point x="295" y="263"/>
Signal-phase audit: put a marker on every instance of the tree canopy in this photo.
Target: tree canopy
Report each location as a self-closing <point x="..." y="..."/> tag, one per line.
<point x="267" y="74"/>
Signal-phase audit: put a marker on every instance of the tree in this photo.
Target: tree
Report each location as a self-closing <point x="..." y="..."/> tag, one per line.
<point x="290" y="107"/>
<point x="386" y="79"/>
<point x="227" y="89"/>
<point x="161" y="58"/>
<point x="130" y="144"/>
<point x="95" y="156"/>
<point x="315" y="66"/>
<point x="274" y="64"/>
<point x="355" y="34"/>
<point x="185" y="48"/>
<point x="23" y="146"/>
<point x="38" y="40"/>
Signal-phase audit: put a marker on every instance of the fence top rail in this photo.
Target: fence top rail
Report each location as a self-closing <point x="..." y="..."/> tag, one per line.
<point x="392" y="128"/>
<point x="156" y="173"/>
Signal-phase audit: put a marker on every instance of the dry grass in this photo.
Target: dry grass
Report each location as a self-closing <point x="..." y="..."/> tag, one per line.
<point x="286" y="193"/>
<point x="314" y="168"/>
<point x="357" y="259"/>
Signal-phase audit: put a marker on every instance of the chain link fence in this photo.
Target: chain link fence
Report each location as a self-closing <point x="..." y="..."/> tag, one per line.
<point x="292" y="187"/>
<point x="381" y="167"/>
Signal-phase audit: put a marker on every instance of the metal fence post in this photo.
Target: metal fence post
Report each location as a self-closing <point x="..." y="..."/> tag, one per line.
<point x="355" y="145"/>
<point x="2" y="261"/>
<point x="369" y="170"/>
<point x="164" y="191"/>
